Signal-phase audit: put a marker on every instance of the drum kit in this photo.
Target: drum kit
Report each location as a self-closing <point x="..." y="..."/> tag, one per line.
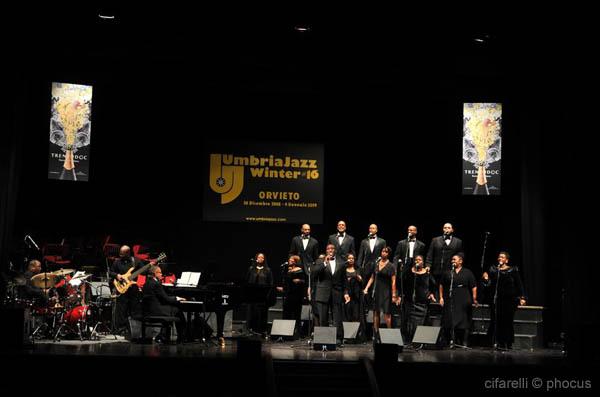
<point x="67" y="309"/>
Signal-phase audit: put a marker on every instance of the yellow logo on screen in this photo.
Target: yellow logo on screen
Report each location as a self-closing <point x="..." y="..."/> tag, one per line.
<point x="226" y="180"/>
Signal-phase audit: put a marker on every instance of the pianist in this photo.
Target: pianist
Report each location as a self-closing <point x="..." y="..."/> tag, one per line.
<point x="156" y="302"/>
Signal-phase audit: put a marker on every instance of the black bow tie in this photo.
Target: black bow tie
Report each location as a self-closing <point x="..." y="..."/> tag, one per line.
<point x="373" y="237"/>
<point x="447" y="237"/>
<point x="305" y="237"/>
<point x="341" y="235"/>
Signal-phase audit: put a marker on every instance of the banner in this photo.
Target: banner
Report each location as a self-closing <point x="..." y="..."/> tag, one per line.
<point x="263" y="182"/>
<point x="482" y="148"/>
<point x="70" y="132"/>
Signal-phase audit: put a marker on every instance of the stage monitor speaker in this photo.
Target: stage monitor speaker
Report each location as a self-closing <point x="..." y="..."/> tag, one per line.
<point x="283" y="328"/>
<point x="325" y="338"/>
<point x="391" y="336"/>
<point x="350" y="329"/>
<point x="306" y="312"/>
<point x="426" y="335"/>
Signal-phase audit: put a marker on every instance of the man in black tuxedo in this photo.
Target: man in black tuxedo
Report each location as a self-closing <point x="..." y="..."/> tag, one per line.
<point x="342" y="241"/>
<point x="306" y="247"/>
<point x="441" y="251"/>
<point x="330" y="277"/>
<point x="407" y="249"/>
<point x="370" y="250"/>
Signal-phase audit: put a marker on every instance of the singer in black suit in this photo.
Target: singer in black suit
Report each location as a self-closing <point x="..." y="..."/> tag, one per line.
<point x="441" y="251"/>
<point x="343" y="242"/>
<point x="306" y="247"/>
<point x="330" y="276"/>
<point x="370" y="250"/>
<point x="408" y="249"/>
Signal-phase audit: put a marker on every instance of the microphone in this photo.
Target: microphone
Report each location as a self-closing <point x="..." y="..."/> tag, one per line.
<point x="252" y="260"/>
<point x="32" y="242"/>
<point x="409" y="236"/>
<point x="378" y="259"/>
<point x="488" y="233"/>
<point x="284" y="264"/>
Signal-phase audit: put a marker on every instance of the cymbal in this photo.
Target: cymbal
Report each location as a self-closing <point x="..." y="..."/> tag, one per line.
<point x="63" y="272"/>
<point x="44" y="280"/>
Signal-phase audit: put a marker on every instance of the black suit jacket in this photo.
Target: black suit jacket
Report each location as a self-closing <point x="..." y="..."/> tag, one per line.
<point x="366" y="258"/>
<point x="347" y="246"/>
<point x="330" y="286"/>
<point x="439" y="255"/>
<point x="155" y="301"/>
<point x="402" y="248"/>
<point x="308" y="256"/>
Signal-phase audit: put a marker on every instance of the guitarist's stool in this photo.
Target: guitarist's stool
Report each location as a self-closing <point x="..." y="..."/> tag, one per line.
<point x="164" y="322"/>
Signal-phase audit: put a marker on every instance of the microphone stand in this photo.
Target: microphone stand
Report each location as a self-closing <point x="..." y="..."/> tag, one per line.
<point x="402" y="308"/>
<point x="495" y="339"/>
<point x="310" y="306"/>
<point x="483" y="251"/>
<point x="451" y="296"/>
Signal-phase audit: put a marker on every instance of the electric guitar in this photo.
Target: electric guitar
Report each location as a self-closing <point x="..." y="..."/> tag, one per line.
<point x="128" y="279"/>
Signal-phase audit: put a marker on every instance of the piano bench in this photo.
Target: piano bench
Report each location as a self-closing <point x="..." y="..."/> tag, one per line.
<point x="162" y="321"/>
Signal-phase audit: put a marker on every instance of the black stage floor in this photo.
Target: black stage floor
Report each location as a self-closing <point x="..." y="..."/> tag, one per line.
<point x="293" y="350"/>
<point x="288" y="368"/>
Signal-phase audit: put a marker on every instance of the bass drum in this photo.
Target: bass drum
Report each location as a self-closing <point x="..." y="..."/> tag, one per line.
<point x="77" y="314"/>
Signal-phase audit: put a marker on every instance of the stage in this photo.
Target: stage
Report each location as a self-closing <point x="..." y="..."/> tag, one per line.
<point x="282" y="368"/>
<point x="298" y="350"/>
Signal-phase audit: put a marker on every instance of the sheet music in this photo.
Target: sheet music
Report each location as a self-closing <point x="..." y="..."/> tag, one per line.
<point x="188" y="279"/>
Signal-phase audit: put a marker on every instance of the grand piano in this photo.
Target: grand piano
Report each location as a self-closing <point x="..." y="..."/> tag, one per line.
<point x="217" y="297"/>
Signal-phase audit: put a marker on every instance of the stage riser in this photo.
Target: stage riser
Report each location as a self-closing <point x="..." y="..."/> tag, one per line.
<point x="524" y="328"/>
<point x="526" y="313"/>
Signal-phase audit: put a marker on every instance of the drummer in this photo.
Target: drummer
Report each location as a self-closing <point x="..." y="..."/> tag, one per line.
<point x="31" y="291"/>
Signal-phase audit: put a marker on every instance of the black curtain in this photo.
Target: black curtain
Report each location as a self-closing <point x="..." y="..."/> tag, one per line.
<point x="10" y="163"/>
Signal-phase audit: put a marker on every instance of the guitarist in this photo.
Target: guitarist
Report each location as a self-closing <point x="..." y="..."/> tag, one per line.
<point x="129" y="303"/>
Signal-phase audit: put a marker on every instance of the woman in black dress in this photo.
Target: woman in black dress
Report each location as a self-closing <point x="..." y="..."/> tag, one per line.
<point x="458" y="293"/>
<point x="258" y="274"/>
<point x="419" y="287"/>
<point x="294" y="290"/>
<point x="504" y="286"/>
<point x="384" y="289"/>
<point x="352" y="307"/>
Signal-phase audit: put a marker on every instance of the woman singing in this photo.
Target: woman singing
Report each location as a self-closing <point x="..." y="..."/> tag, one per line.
<point x="294" y="290"/>
<point x="259" y="274"/>
<point x="384" y="290"/>
<point x="458" y="293"/>
<point x="504" y="285"/>
<point x="419" y="287"/>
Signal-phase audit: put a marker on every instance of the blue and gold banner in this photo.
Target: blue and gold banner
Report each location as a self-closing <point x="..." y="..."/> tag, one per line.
<point x="264" y="182"/>
<point x="70" y="132"/>
<point x="482" y="148"/>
